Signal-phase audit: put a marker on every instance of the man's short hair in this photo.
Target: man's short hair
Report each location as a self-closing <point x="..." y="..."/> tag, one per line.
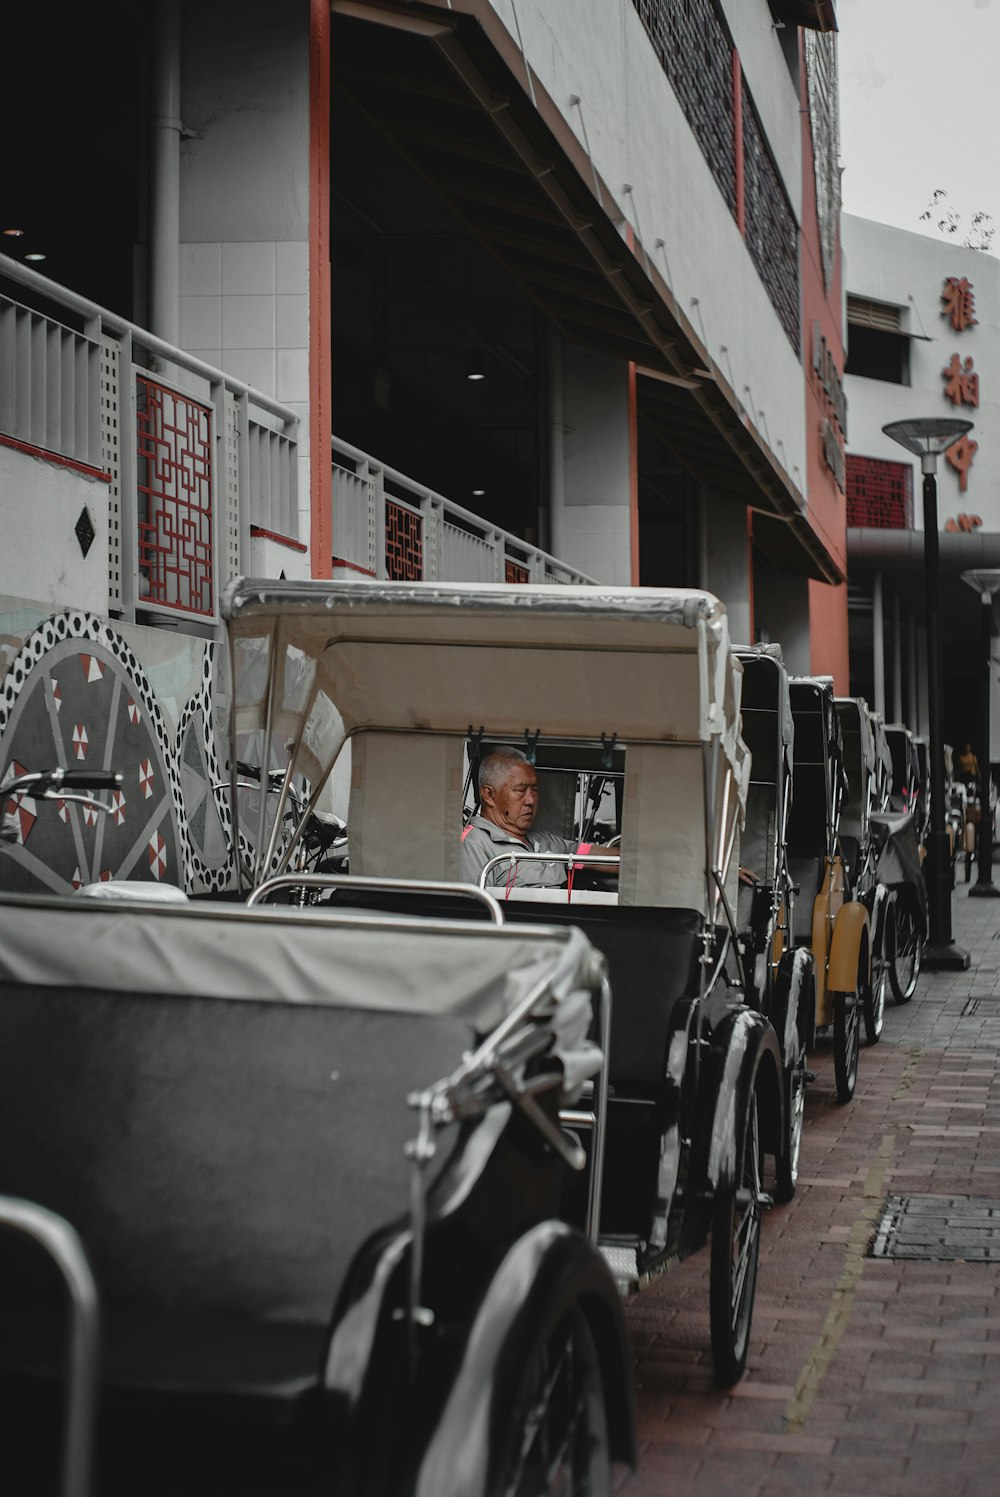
<point x="498" y="764"/>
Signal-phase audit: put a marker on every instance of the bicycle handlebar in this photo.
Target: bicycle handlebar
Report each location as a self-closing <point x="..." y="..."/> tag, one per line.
<point x="48" y="782"/>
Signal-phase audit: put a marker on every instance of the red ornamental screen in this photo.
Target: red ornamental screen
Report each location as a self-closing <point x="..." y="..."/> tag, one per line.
<point x="174" y="451"/>
<point x="879" y="494"/>
<point x="404" y="543"/>
<point x="514" y="571"/>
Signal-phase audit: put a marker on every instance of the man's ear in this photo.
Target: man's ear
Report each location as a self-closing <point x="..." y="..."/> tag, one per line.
<point x="486" y="794"/>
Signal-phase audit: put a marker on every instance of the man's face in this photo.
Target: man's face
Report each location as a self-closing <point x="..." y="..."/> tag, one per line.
<point x="512" y="805"/>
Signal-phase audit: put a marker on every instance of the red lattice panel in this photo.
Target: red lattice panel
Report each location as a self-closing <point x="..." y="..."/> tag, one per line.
<point x="879" y="494"/>
<point x="404" y="543"/>
<point x="514" y="571"/>
<point x="174" y="436"/>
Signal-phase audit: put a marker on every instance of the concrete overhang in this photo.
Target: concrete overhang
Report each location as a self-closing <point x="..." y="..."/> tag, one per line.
<point x="447" y="86"/>
<point x="814" y="15"/>
<point x="899" y="556"/>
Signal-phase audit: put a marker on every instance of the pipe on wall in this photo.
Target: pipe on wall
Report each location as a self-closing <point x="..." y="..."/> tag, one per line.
<point x="165" y="173"/>
<point x="878" y="643"/>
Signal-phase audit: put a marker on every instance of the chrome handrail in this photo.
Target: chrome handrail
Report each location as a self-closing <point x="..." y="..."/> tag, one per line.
<point x="376" y="885"/>
<point x="62" y="1243"/>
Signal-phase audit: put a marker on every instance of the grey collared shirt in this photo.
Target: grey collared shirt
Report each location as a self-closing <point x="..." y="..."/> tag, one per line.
<point x="483" y="840"/>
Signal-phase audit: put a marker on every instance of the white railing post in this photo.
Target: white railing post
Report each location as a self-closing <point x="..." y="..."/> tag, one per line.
<point x="496" y="541"/>
<point x="432" y="507"/>
<point x="128" y="478"/>
<point x="376" y="518"/>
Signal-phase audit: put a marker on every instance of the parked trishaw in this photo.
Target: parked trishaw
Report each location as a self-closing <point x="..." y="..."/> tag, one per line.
<point x="284" y="1188"/>
<point x="779" y="977"/>
<point x="827" y="917"/>
<point x="864" y="793"/>
<point x="905" y="767"/>
<point x="900" y="870"/>
<point x="636" y="691"/>
<point x="883" y="764"/>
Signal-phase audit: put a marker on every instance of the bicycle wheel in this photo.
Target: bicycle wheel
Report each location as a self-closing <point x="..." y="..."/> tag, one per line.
<point x="736" y="1223"/>
<point x="874" y="992"/>
<point x="903" y="951"/>
<point x="559" y="1433"/>
<point x="846" y="1043"/>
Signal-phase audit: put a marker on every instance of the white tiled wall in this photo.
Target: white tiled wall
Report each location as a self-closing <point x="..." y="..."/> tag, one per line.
<point x="244" y="308"/>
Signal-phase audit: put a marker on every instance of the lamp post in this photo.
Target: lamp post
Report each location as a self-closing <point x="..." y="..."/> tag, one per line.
<point x="985" y="582"/>
<point x="927" y="437"/>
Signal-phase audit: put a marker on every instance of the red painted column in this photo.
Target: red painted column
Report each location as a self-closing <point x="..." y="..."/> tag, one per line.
<point x="633" y="473"/>
<point x="320" y="353"/>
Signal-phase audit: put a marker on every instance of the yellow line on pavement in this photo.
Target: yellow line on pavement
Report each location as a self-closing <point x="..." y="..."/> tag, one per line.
<point x="906" y="1080"/>
<point x="817" y="1364"/>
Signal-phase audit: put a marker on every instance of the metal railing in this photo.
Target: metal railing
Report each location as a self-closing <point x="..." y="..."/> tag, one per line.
<point x="193" y="456"/>
<point x="388" y="525"/>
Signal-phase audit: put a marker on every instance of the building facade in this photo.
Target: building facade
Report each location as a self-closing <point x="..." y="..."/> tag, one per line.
<point x="923" y="340"/>
<point x="471" y="288"/>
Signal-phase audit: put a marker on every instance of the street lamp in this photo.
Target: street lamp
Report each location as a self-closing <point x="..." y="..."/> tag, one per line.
<point x="927" y="437"/>
<point x="985" y="582"/>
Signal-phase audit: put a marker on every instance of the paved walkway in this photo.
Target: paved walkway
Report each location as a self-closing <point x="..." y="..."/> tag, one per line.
<point x="874" y="1376"/>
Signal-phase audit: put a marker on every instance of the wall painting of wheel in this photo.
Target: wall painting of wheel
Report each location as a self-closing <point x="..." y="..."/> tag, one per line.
<point x="82" y="700"/>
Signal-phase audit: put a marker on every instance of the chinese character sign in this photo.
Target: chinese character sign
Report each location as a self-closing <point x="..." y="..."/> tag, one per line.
<point x="959" y="303"/>
<point x="961" y="383"/>
<point x="960" y="455"/>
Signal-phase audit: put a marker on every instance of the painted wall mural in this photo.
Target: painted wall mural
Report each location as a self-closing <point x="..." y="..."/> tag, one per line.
<point x="76" y="689"/>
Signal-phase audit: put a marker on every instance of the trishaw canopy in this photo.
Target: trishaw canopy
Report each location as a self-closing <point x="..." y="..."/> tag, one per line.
<point x="410" y="671"/>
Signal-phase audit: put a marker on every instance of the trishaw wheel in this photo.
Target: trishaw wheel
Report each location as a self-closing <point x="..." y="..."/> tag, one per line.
<point x="874" y="998"/>
<point x="903" y="956"/>
<point x="846" y="1043"/>
<point x="559" y="1440"/>
<point x="736" y="1223"/>
<point x="786" y="1164"/>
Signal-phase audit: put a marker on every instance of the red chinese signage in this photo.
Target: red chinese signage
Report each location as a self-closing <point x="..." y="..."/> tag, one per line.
<point x="959" y="303"/>
<point x="960" y="455"/>
<point x="961" y="383"/>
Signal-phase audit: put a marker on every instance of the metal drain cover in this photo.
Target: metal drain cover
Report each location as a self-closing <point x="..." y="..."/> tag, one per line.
<point x="939" y="1229"/>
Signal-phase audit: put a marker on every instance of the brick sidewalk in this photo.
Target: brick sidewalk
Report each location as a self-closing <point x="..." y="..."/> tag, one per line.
<point x="874" y="1376"/>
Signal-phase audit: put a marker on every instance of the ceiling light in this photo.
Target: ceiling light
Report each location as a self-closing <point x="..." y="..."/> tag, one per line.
<point x="475" y="376"/>
<point x="478" y="493"/>
<point x="35" y="255"/>
<point x="14" y="233"/>
<point x="474" y="365"/>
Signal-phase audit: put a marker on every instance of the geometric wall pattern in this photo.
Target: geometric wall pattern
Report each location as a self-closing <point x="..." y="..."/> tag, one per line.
<point x="75" y="694"/>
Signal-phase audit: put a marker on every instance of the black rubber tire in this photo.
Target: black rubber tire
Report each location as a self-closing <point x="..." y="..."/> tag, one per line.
<point x="559" y="1430"/>
<point x="903" y="957"/>
<point x="786" y="1163"/>
<point x="873" y="994"/>
<point x="846" y="1043"/>
<point x="736" y="1223"/>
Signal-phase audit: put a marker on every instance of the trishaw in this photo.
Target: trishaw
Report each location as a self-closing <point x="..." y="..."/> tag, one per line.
<point x="639" y="691"/>
<point x="905" y="767"/>
<point x="864" y="793"/>
<point x="826" y="915"/>
<point x="899" y="870"/>
<point x="300" y="1177"/>
<point x="779" y="977"/>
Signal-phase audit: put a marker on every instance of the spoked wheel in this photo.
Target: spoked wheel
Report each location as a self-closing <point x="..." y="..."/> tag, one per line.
<point x="874" y="992"/>
<point x="735" y="1252"/>
<point x="787" y="1160"/>
<point x="903" y="954"/>
<point x="846" y="1043"/>
<point x="559" y="1441"/>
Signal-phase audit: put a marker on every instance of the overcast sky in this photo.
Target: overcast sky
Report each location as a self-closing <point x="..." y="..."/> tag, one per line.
<point x="920" y="109"/>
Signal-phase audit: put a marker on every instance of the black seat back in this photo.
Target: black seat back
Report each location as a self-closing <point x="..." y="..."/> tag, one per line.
<point x="653" y="961"/>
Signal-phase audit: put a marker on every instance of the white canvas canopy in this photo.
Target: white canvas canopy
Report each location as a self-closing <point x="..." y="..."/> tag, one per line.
<point x="317" y="663"/>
